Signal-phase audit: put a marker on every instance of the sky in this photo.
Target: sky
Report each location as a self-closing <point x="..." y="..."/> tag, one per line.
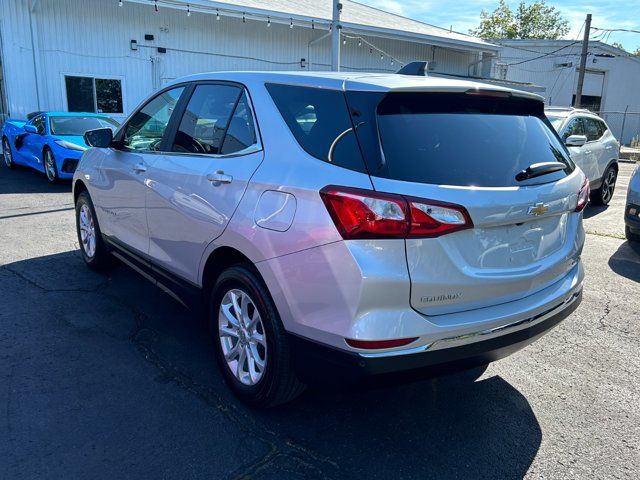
<point x="465" y="14"/>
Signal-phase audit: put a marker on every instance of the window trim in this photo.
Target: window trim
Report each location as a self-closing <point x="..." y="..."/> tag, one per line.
<point x="174" y="124"/>
<point x="95" y="96"/>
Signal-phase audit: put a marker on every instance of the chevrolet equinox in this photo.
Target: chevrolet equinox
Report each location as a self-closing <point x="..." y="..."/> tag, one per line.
<point x="341" y="225"/>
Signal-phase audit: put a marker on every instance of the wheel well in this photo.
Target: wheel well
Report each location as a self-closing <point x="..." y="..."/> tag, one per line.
<point x="78" y="188"/>
<point x="221" y="259"/>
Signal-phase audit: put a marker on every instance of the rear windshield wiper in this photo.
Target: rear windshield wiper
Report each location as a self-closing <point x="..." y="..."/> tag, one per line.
<point x="538" y="169"/>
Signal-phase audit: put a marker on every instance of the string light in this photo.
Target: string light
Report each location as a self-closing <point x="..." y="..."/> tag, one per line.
<point x="381" y="57"/>
<point x="155" y="6"/>
<point x="313" y="27"/>
<point x="244" y="20"/>
<point x="344" y="42"/>
<point x="119" y="3"/>
<point x="268" y="22"/>
<point x="291" y="23"/>
<point x="217" y="14"/>
<point x="359" y="42"/>
<point x="188" y="10"/>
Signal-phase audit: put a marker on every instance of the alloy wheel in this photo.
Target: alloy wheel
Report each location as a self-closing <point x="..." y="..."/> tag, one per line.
<point x="242" y="337"/>
<point x="87" y="231"/>
<point x="8" y="159"/>
<point x="50" y="166"/>
<point x="609" y="185"/>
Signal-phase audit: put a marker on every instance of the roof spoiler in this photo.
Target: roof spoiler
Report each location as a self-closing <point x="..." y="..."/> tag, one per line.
<point x="419" y="69"/>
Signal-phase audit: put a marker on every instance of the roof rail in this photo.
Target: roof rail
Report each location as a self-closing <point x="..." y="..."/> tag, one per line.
<point x="419" y="69"/>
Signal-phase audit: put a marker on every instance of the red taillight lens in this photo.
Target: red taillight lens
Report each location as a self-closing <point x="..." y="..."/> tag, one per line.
<point x="361" y="214"/>
<point x="432" y="219"/>
<point x="379" y="344"/>
<point x="365" y="214"/>
<point x="583" y="196"/>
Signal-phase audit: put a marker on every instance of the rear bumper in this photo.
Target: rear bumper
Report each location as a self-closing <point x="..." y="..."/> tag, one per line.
<point x="316" y="362"/>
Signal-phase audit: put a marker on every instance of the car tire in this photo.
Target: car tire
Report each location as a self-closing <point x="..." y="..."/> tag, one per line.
<point x="92" y="247"/>
<point x="50" y="167"/>
<point x="604" y="194"/>
<point x="631" y="236"/>
<point x="7" y="153"/>
<point x="246" y="339"/>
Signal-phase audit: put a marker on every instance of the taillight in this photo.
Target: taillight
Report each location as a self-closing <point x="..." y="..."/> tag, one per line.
<point x="432" y="219"/>
<point x="365" y="214"/>
<point x="360" y="214"/>
<point x="583" y="196"/>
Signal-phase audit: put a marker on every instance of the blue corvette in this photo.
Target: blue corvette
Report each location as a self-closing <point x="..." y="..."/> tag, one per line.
<point x="50" y="142"/>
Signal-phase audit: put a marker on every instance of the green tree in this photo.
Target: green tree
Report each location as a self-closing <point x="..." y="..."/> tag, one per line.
<point x="536" y="20"/>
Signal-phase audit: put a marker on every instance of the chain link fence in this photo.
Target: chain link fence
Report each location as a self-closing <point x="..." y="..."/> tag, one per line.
<point x="625" y="125"/>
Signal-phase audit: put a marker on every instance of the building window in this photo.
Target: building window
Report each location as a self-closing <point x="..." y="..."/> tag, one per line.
<point x="97" y="95"/>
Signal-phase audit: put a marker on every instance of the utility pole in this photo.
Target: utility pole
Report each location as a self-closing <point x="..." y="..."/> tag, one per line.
<point x="335" y="36"/>
<point x="583" y="62"/>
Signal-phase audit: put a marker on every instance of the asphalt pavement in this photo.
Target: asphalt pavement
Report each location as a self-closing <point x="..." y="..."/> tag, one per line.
<point x="104" y="376"/>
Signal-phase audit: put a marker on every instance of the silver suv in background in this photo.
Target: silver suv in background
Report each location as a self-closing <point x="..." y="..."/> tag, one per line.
<point x="342" y="226"/>
<point x="592" y="146"/>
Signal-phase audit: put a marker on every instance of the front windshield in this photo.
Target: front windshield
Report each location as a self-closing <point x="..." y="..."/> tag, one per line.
<point x="77" y="126"/>
<point x="556" y="121"/>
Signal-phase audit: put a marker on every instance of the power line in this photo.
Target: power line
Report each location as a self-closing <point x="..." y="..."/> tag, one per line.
<point x="628" y="30"/>
<point x="545" y="55"/>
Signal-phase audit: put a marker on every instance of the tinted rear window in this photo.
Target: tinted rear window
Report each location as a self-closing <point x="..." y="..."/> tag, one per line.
<point x="320" y="122"/>
<point x="464" y="140"/>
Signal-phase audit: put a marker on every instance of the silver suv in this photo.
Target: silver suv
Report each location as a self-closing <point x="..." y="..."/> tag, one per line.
<point x="342" y="226"/>
<point x="592" y="146"/>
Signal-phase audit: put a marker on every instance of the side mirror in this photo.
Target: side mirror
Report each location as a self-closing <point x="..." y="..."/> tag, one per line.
<point x="99" y="138"/>
<point x="30" y="128"/>
<point x="575" y="141"/>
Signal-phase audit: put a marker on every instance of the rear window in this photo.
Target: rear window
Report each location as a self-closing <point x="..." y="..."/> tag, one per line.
<point x="464" y="140"/>
<point x="320" y="122"/>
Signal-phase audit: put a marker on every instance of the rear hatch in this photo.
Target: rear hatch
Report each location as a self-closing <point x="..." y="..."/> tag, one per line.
<point x="461" y="152"/>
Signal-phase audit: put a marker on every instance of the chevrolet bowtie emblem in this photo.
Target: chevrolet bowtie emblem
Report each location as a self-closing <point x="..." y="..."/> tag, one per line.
<point x="538" y="209"/>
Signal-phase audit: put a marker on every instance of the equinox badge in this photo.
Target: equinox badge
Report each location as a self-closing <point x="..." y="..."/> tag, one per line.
<point x="538" y="209"/>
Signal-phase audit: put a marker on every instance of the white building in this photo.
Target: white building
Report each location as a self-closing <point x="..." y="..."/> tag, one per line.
<point x="611" y="85"/>
<point x="95" y="55"/>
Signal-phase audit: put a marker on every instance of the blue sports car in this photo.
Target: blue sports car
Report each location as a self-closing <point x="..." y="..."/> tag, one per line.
<point x="50" y="142"/>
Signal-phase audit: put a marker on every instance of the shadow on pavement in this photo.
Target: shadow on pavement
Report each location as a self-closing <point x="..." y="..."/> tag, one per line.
<point x="626" y="261"/>
<point x="593" y="210"/>
<point x="26" y="180"/>
<point x="120" y="379"/>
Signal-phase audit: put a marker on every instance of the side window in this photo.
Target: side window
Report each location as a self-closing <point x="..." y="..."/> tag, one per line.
<point x="591" y="128"/>
<point x="576" y="127"/>
<point x="320" y="122"/>
<point x="39" y="123"/>
<point x="602" y="128"/>
<point x="146" y="128"/>
<point x="241" y="132"/>
<point x="205" y="119"/>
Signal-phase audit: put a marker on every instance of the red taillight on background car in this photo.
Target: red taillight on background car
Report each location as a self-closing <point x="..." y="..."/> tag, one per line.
<point x="583" y="196"/>
<point x="365" y="214"/>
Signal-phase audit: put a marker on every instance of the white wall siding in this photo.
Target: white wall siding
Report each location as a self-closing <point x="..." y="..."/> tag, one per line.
<point x="92" y="38"/>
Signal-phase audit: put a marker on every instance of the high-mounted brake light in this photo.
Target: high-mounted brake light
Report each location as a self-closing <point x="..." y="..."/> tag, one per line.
<point x="488" y="93"/>
<point x="365" y="214"/>
<point x="583" y="196"/>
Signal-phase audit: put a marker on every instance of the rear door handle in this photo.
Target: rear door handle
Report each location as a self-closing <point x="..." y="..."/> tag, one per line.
<point x="139" y="168"/>
<point x="219" y="177"/>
